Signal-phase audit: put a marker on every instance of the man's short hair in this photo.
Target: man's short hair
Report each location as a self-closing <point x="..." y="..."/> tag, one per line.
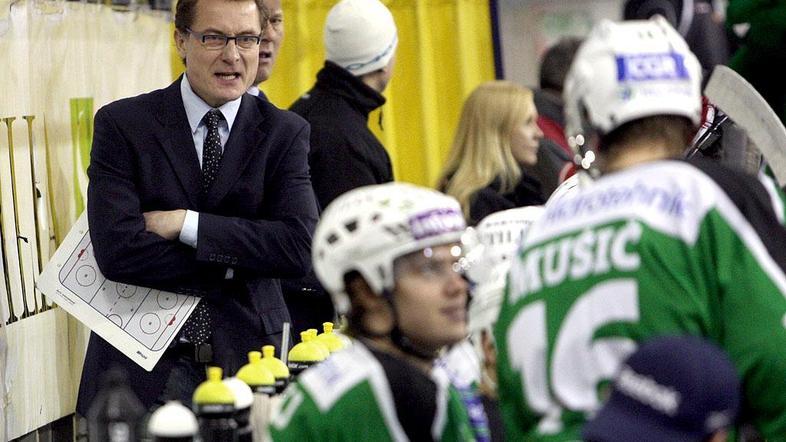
<point x="674" y="131"/>
<point x="556" y="62"/>
<point x="186" y="13"/>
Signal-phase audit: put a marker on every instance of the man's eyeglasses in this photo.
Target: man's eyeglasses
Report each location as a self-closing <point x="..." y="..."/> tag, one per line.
<point x="218" y="41"/>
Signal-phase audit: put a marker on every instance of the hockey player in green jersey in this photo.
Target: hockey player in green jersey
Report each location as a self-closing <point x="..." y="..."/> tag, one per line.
<point x="391" y="258"/>
<point x="655" y="246"/>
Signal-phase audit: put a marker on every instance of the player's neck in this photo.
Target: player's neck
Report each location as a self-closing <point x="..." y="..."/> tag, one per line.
<point x="387" y="345"/>
<point x="633" y="155"/>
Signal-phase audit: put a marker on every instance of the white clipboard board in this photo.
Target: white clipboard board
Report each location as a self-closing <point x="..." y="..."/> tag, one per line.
<point x="140" y="322"/>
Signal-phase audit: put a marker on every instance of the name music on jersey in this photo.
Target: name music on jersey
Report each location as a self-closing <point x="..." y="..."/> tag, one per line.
<point x="591" y="252"/>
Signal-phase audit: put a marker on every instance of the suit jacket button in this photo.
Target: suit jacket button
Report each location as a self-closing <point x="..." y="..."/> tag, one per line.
<point x="212" y="257"/>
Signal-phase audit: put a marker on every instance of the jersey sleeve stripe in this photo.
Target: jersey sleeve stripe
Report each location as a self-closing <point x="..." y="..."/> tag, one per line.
<point x="775" y="197"/>
<point x="747" y="196"/>
<point x="753" y="241"/>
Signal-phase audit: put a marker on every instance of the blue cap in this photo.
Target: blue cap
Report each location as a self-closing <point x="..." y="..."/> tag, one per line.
<point x="672" y="389"/>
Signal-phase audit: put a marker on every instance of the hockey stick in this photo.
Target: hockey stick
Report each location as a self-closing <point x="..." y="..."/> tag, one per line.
<point x="11" y="316"/>
<point x="17" y="221"/>
<point x="6" y="275"/>
<point x="746" y="107"/>
<point x="37" y="199"/>
<point x="54" y="232"/>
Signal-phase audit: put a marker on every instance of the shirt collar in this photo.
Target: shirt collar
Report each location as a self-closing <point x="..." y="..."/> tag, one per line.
<point x="196" y="108"/>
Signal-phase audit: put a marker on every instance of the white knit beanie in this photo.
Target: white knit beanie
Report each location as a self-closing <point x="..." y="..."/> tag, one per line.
<point x="360" y="35"/>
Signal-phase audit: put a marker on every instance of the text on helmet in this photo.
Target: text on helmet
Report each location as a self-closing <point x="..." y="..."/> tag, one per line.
<point x="436" y="222"/>
<point x="648" y="67"/>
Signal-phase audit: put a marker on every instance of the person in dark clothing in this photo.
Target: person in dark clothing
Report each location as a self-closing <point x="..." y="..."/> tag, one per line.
<point x="345" y="154"/>
<point x="497" y="135"/>
<point x="201" y="190"/>
<point x="269" y="46"/>
<point x="360" y="46"/>
<point x="555" y="159"/>
<point x="490" y="199"/>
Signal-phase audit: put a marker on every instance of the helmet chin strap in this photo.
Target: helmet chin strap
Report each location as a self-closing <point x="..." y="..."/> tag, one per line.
<point x="401" y="341"/>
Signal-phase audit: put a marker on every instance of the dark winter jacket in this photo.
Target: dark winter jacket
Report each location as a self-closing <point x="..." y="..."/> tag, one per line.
<point x="489" y="199"/>
<point x="345" y="154"/>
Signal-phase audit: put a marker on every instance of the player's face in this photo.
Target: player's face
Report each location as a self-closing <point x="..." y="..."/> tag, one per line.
<point x="524" y="140"/>
<point x="271" y="40"/>
<point x="431" y="297"/>
<point x="220" y="75"/>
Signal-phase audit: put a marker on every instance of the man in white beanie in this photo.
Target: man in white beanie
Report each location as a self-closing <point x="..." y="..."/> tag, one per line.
<point x="360" y="46"/>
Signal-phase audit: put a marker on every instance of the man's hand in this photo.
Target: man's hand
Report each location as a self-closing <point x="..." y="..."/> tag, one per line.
<point x="165" y="223"/>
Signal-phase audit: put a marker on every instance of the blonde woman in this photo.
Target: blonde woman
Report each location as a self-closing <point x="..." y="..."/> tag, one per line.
<point x="497" y="135"/>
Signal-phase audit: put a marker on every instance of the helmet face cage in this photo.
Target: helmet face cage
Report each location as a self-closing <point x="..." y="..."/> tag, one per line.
<point x="499" y="239"/>
<point x="366" y="229"/>
<point x="627" y="71"/>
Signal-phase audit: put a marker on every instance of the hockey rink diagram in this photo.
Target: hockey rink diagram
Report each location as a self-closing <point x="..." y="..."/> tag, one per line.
<point x="149" y="316"/>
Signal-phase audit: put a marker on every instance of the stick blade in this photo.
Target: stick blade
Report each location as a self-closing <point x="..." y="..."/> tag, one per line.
<point x="745" y="106"/>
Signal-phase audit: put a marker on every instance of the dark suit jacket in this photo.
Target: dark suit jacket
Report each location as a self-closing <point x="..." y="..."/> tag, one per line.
<point x="257" y="218"/>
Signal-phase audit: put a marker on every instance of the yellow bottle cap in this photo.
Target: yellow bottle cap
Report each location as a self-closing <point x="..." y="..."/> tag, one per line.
<point x="274" y="364"/>
<point x="312" y="339"/>
<point x="255" y="374"/>
<point x="305" y="351"/>
<point x="213" y="391"/>
<point x="330" y="339"/>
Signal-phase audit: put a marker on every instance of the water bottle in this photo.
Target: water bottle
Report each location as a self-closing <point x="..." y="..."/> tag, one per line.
<point x="244" y="398"/>
<point x="214" y="406"/>
<point x="276" y="366"/>
<point x="116" y="413"/>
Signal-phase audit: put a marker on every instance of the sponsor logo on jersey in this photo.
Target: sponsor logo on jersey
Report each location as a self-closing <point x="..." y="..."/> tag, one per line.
<point x="436" y="222"/>
<point x="669" y="201"/>
<point x="649" y="67"/>
<point x="591" y="252"/>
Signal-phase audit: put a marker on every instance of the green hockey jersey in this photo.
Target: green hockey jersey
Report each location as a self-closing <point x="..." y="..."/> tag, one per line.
<point x="359" y="394"/>
<point x="664" y="248"/>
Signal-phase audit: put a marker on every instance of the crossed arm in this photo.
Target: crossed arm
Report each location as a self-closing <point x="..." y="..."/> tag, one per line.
<point x="141" y="247"/>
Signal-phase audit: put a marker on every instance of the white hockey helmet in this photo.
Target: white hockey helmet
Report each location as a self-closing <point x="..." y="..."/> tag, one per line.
<point x="499" y="237"/>
<point x="626" y="71"/>
<point x="367" y="228"/>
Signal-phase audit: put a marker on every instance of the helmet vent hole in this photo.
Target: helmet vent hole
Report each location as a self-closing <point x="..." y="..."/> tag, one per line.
<point x="332" y="239"/>
<point x="375" y="217"/>
<point x="351" y="226"/>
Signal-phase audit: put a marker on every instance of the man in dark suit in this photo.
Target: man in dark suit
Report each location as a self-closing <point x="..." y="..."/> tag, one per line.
<point x="201" y="189"/>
